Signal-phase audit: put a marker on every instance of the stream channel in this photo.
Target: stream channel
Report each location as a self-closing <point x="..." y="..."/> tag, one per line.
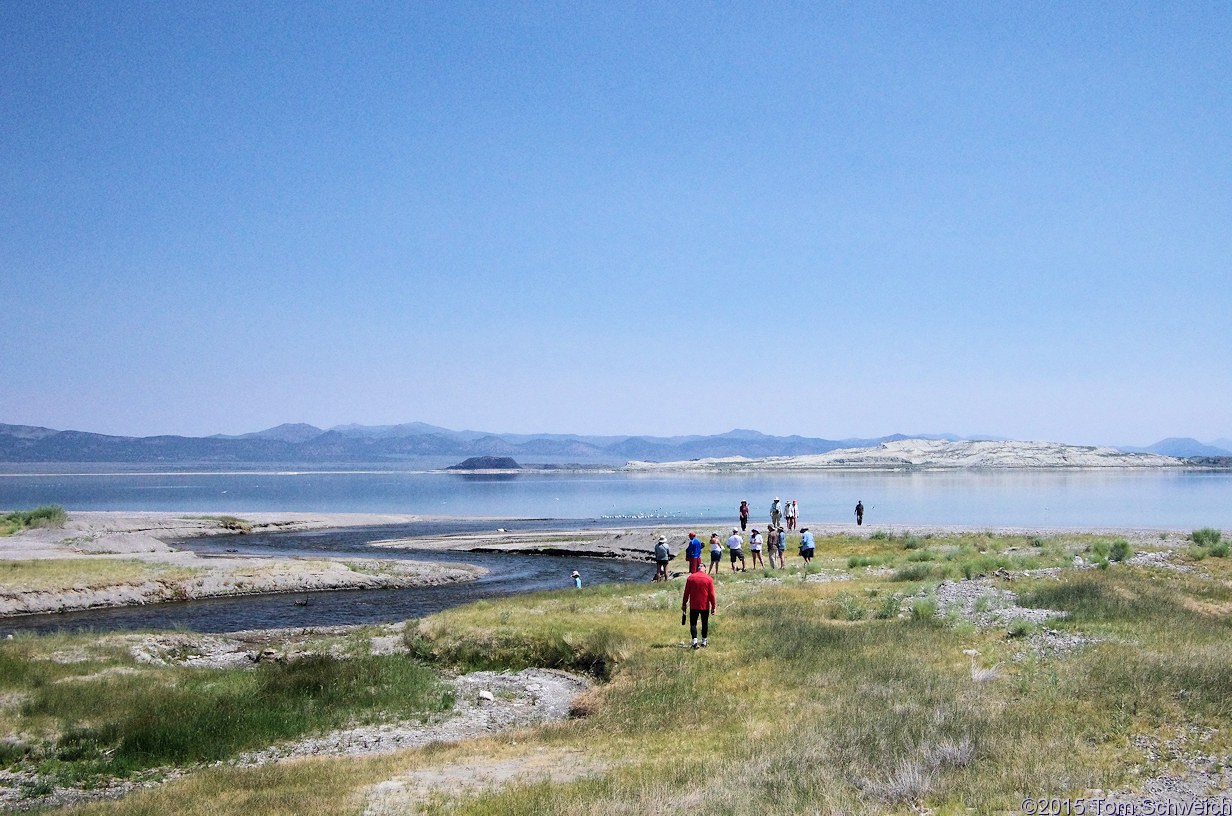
<point x="509" y="574"/>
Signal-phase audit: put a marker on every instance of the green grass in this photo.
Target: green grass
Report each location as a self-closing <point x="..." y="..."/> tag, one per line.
<point x="813" y="697"/>
<point x="55" y="574"/>
<point x="49" y="515"/>
<point x="98" y="722"/>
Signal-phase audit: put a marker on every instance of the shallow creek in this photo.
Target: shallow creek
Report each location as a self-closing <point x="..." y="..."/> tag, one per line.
<point x="508" y="574"/>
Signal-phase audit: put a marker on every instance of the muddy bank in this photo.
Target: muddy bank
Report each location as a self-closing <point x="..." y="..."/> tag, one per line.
<point x="101" y="560"/>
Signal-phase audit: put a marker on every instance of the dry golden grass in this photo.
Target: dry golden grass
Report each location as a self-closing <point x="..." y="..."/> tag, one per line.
<point x="791" y="711"/>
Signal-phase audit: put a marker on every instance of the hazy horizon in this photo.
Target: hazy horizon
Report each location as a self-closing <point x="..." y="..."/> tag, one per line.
<point x="1214" y="441"/>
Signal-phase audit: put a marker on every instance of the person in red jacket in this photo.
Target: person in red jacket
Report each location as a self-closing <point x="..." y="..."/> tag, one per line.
<point x="700" y="601"/>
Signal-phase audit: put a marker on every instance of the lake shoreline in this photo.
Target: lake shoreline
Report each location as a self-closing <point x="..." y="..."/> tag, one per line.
<point x="129" y="558"/>
<point x="103" y="560"/>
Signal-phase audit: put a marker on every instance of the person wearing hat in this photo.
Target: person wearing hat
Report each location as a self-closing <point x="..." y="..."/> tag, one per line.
<point x="735" y="547"/>
<point x="755" y="544"/>
<point x="662" y="556"/>
<point x="744" y="515"/>
<point x="782" y="550"/>
<point x="776" y="512"/>
<point x="716" y="554"/>
<point x="693" y="552"/>
<point x="807" y="545"/>
<point x="577" y="580"/>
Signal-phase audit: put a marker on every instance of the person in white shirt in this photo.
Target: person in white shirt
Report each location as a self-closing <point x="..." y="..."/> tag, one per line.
<point x="716" y="554"/>
<point x="755" y="543"/>
<point x="735" y="545"/>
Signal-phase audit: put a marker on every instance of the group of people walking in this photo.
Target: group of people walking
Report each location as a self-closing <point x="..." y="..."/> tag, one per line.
<point x="699" y="601"/>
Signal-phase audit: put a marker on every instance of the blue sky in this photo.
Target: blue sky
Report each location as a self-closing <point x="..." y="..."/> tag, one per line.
<point x="827" y="219"/>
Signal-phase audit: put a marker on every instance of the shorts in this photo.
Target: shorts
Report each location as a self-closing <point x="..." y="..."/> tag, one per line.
<point x="755" y="549"/>
<point x="716" y="557"/>
<point x="661" y="563"/>
<point x="737" y="554"/>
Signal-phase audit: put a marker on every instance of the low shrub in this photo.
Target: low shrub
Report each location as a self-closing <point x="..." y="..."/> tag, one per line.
<point x="1020" y="627"/>
<point x="890" y="607"/>
<point x="1206" y="537"/>
<point x="1120" y="550"/>
<point x="847" y="607"/>
<point x="923" y="609"/>
<point x="913" y="572"/>
<point x="49" y="515"/>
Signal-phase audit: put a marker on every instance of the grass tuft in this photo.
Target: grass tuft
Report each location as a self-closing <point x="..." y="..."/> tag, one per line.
<point x="49" y="515"/>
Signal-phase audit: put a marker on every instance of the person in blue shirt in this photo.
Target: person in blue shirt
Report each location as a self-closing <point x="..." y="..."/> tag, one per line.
<point x="577" y="580"/>
<point x="693" y="551"/>
<point x="807" y="545"/>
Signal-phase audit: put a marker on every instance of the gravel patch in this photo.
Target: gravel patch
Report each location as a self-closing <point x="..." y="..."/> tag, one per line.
<point x="487" y="703"/>
<point x="1181" y="776"/>
<point x="987" y="605"/>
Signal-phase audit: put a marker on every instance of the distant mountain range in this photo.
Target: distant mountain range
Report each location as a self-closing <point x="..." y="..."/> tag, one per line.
<point x="299" y="443"/>
<point x="1185" y="447"/>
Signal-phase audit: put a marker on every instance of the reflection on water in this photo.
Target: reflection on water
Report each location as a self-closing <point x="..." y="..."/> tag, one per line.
<point x="1026" y="498"/>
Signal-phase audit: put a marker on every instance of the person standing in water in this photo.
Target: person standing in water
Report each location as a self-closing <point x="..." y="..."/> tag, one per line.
<point x="859" y="512"/>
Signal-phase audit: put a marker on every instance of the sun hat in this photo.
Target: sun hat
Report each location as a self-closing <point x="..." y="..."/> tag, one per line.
<point x="662" y="539"/>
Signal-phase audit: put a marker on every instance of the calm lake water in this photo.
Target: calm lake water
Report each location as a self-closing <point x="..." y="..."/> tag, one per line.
<point x="1163" y="499"/>
<point x="1179" y="499"/>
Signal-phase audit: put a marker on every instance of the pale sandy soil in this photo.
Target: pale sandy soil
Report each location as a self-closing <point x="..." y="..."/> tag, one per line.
<point x="932" y="453"/>
<point x="170" y="575"/>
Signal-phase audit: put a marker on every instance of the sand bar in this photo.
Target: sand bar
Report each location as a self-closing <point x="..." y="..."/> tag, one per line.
<point x="108" y="559"/>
